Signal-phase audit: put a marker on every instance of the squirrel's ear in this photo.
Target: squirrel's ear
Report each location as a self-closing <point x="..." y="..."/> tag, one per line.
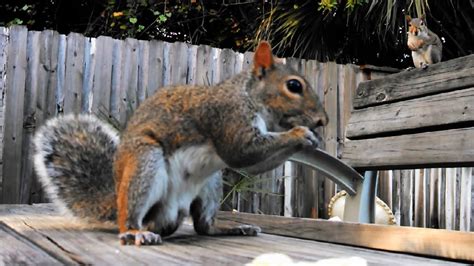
<point x="408" y="18"/>
<point x="263" y="58"/>
<point x="422" y="17"/>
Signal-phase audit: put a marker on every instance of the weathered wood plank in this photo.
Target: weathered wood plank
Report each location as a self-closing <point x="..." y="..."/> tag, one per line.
<point x="226" y="64"/>
<point x="441" y="109"/>
<point x="177" y="67"/>
<point x="61" y="74"/>
<point x="447" y="76"/>
<point x="89" y="70"/>
<point x="101" y="89"/>
<point x="331" y="130"/>
<point x="30" y="189"/>
<point x="465" y="199"/>
<point x="247" y="61"/>
<point x="450" y="198"/>
<point x="419" y="198"/>
<point x="48" y="77"/>
<point x="143" y="72"/>
<point x="46" y="90"/>
<point x="288" y="185"/>
<point x="446" y="148"/>
<point x="16" y="250"/>
<point x="203" y="65"/>
<point x="396" y="185"/>
<point x="421" y="241"/>
<point x="155" y="67"/>
<point x="192" y="62"/>
<point x="116" y="111"/>
<point x="74" y="73"/>
<point x="215" y="70"/>
<point x="442" y="199"/>
<point x="14" y="104"/>
<point x="74" y="244"/>
<point x="434" y="199"/>
<point x="4" y="38"/>
<point x="406" y="197"/>
<point x="129" y="79"/>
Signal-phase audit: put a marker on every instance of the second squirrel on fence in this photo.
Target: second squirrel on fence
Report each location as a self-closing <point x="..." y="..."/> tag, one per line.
<point x="426" y="47"/>
<point x="167" y="163"/>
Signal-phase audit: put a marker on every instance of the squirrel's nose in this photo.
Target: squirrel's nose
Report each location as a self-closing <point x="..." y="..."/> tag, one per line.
<point x="322" y="121"/>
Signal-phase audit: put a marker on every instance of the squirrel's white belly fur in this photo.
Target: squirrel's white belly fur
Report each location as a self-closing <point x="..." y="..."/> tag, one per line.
<point x="181" y="179"/>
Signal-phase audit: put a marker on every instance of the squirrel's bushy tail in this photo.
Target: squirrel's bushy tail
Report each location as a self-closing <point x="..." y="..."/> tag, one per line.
<point x="74" y="160"/>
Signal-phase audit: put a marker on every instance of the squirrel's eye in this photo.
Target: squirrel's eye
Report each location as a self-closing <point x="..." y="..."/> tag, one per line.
<point x="294" y="86"/>
<point x="421" y="23"/>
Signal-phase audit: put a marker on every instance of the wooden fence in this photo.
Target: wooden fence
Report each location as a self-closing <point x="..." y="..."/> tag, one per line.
<point x="43" y="74"/>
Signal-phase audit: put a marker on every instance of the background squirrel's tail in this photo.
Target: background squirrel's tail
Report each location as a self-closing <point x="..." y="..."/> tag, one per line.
<point x="74" y="161"/>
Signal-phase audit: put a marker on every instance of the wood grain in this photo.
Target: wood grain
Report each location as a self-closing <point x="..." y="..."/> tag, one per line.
<point x="71" y="243"/>
<point x="446" y="148"/>
<point x="14" y="104"/>
<point x="16" y="250"/>
<point x="30" y="188"/>
<point x="74" y="77"/>
<point x="446" y="76"/>
<point x="442" y="110"/>
<point x="4" y="38"/>
<point x="430" y="242"/>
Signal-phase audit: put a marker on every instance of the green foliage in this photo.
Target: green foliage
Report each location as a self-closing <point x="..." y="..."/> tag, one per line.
<point x="348" y="31"/>
<point x="362" y="31"/>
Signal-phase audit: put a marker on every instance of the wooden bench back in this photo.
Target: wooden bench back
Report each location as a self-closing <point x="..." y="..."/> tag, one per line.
<point x="418" y="118"/>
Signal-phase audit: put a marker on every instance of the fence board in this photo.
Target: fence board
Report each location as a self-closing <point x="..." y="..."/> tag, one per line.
<point x="15" y="93"/>
<point x="434" y="199"/>
<point x="73" y="80"/>
<point x="288" y="204"/>
<point x="30" y="188"/>
<point x="89" y="69"/>
<point x="226" y="64"/>
<point x="396" y="194"/>
<point x="117" y="95"/>
<point x="203" y="63"/>
<point x="129" y="88"/>
<point x="101" y="90"/>
<point x="4" y="37"/>
<point x="155" y="67"/>
<point x="46" y="90"/>
<point x="62" y="46"/>
<point x="406" y="197"/>
<point x="192" y="61"/>
<point x="419" y="198"/>
<point x="143" y="65"/>
<point x="215" y="74"/>
<point x="442" y="199"/>
<point x="457" y="199"/>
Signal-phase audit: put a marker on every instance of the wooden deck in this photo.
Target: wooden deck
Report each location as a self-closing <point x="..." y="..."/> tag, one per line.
<point x="37" y="234"/>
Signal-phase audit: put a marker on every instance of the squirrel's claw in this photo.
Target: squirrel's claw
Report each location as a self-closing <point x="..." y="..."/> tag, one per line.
<point x="139" y="238"/>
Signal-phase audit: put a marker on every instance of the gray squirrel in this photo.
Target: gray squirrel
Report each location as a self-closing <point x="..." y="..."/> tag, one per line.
<point x="426" y="47"/>
<point x="167" y="163"/>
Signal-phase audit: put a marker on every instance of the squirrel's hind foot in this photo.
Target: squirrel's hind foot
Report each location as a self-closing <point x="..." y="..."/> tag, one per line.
<point x="138" y="238"/>
<point x="241" y="230"/>
<point x="249" y="230"/>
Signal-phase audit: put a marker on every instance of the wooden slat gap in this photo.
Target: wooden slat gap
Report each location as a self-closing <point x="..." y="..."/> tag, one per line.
<point x="412" y="131"/>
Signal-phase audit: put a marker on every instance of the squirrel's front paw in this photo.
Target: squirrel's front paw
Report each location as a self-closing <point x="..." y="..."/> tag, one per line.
<point x="307" y="137"/>
<point x="139" y="238"/>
